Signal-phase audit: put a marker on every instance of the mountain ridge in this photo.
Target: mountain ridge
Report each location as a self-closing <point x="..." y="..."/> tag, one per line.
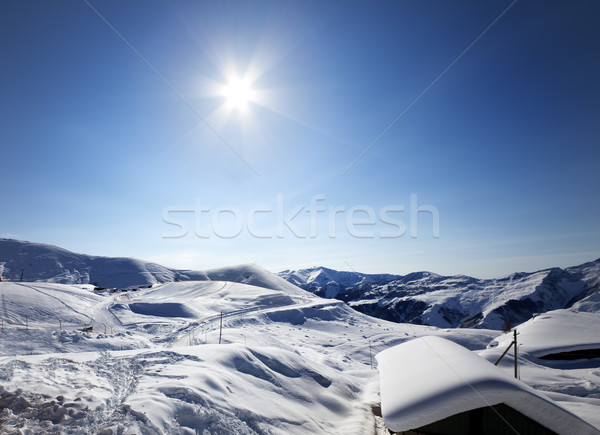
<point x="419" y="297"/>
<point x="42" y="262"/>
<point x="460" y="300"/>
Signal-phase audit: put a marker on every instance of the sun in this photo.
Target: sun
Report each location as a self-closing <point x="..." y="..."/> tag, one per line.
<point x="238" y="93"/>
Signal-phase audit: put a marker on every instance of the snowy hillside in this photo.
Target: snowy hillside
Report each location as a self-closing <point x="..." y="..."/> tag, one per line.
<point x="418" y="298"/>
<point x="42" y="262"/>
<point x="457" y="301"/>
<point x="38" y="262"/>
<point x="251" y="274"/>
<point x="159" y="360"/>
<point x="287" y="362"/>
<point x="240" y="350"/>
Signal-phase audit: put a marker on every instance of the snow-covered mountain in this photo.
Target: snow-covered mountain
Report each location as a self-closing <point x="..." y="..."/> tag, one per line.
<point x="418" y="298"/>
<point x="39" y="262"/>
<point x="457" y="301"/>
<point x="43" y="262"/>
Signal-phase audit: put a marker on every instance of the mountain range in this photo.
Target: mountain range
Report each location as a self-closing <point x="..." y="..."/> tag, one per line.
<point x="418" y="298"/>
<point x="457" y="301"/>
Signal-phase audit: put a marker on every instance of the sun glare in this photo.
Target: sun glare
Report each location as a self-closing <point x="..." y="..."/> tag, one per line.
<point x="238" y="93"/>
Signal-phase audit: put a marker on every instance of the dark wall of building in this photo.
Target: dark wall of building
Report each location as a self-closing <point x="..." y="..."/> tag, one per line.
<point x="490" y="420"/>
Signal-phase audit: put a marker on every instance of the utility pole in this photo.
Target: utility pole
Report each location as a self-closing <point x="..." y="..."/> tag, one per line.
<point x="512" y="343"/>
<point x="515" y="342"/>
<point x="221" y="328"/>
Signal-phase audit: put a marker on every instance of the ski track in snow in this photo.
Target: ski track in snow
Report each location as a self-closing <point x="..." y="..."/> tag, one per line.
<point x="69" y="307"/>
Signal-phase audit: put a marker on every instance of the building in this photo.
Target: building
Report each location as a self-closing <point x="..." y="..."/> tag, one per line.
<point x="434" y="386"/>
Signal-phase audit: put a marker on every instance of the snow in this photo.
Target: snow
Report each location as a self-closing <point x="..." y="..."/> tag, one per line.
<point x="46" y="304"/>
<point x="288" y="361"/>
<point x="428" y="379"/>
<point x="253" y="275"/>
<point x="46" y="263"/>
<point x="453" y="301"/>
<point x="575" y="385"/>
<point x="333" y="281"/>
<point x="590" y="304"/>
<point x="43" y="262"/>
<point x="556" y="331"/>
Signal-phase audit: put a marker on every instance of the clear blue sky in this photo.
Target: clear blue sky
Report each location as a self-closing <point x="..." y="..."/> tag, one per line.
<point x="104" y="137"/>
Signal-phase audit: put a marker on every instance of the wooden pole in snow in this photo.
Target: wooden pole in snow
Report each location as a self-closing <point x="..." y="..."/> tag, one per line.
<point x="515" y="342"/>
<point x="512" y="343"/>
<point x="221" y="328"/>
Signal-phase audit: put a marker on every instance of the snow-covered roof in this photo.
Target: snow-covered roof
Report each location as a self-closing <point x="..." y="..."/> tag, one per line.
<point x="556" y="331"/>
<point x="428" y="379"/>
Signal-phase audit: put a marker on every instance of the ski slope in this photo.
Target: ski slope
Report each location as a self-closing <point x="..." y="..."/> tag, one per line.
<point x="287" y="362"/>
